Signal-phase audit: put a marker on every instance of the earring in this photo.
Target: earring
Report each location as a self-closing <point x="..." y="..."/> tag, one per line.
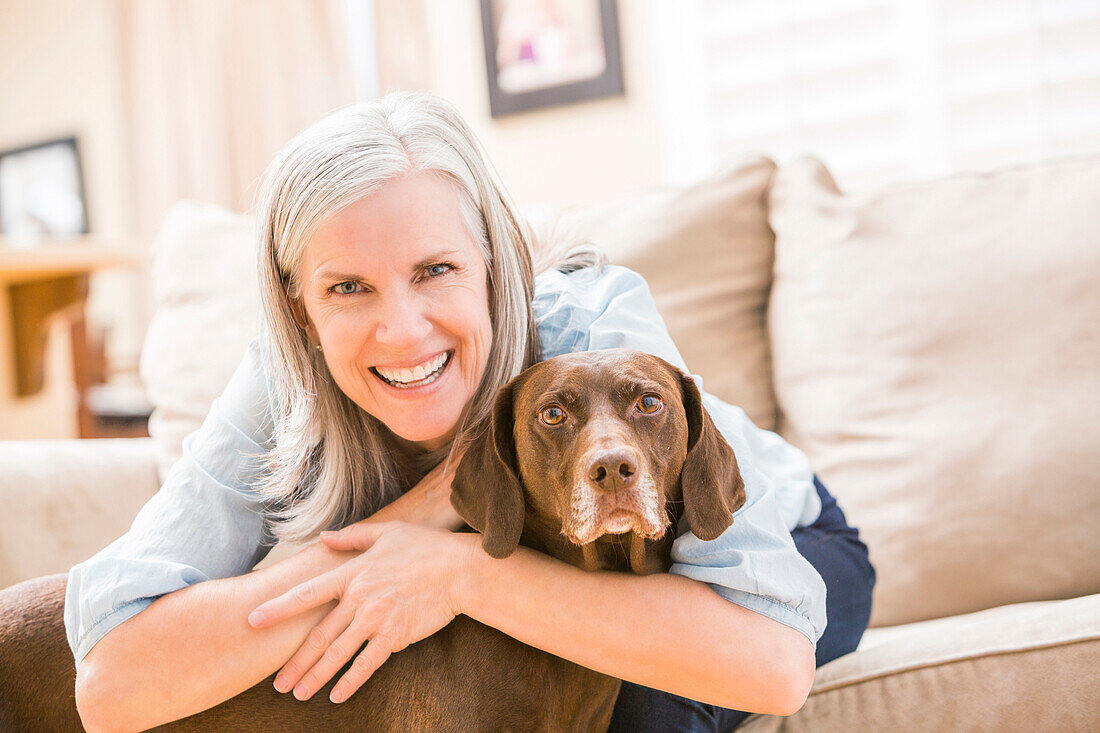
<point x="318" y="347"/>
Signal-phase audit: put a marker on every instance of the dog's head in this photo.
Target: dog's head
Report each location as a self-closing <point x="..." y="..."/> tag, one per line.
<point x="590" y="449"/>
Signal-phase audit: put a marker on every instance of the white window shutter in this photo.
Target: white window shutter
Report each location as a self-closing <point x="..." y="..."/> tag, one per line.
<point x="879" y="89"/>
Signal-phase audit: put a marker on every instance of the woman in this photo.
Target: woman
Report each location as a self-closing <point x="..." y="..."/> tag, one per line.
<point x="398" y="297"/>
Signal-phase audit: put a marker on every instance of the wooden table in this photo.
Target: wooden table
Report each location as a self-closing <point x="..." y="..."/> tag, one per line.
<point x="38" y="282"/>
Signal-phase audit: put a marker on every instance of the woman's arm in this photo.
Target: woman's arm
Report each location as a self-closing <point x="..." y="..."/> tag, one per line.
<point x="193" y="648"/>
<point x="662" y="631"/>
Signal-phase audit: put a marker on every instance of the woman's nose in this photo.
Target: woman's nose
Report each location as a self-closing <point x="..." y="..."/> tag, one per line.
<point x="402" y="321"/>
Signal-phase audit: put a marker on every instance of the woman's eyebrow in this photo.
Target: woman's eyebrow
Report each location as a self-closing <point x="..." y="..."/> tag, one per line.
<point x="435" y="257"/>
<point x="339" y="276"/>
<point x="334" y="275"/>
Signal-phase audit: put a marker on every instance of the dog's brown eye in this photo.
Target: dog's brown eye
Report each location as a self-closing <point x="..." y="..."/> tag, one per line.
<point x="649" y="403"/>
<point x="552" y="415"/>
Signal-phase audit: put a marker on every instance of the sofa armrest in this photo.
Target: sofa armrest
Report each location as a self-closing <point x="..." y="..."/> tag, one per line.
<point x="64" y="500"/>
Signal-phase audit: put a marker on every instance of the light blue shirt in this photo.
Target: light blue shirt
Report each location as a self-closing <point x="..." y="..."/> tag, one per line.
<point x="208" y="522"/>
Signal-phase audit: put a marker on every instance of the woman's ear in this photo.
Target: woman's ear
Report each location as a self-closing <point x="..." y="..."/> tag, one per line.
<point x="486" y="490"/>
<point x="298" y="311"/>
<point x="712" y="485"/>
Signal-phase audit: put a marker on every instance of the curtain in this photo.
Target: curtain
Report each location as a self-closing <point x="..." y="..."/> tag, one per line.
<point x="211" y="90"/>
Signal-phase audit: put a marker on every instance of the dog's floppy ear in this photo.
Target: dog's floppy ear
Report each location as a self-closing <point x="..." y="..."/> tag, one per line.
<point x="486" y="490"/>
<point x="712" y="485"/>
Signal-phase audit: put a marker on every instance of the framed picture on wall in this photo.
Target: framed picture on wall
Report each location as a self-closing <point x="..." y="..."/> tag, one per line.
<point x="546" y="52"/>
<point x="42" y="191"/>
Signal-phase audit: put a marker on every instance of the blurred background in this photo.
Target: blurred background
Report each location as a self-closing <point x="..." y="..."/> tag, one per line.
<point x="113" y="111"/>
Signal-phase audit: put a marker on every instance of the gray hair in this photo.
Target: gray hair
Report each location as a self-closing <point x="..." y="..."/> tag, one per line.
<point x="332" y="463"/>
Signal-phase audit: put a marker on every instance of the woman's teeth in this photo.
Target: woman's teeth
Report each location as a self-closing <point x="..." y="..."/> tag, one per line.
<point x="419" y="375"/>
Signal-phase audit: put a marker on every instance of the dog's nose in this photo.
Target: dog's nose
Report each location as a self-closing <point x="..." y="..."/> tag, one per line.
<point x="612" y="470"/>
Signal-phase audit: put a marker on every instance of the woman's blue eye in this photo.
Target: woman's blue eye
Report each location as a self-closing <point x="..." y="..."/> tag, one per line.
<point x="345" y="288"/>
<point x="443" y="269"/>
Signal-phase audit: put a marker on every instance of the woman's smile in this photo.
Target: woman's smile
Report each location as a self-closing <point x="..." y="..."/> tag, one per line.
<point x="426" y="373"/>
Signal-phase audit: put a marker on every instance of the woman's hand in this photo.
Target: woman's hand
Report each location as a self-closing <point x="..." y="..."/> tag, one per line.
<point x="399" y="590"/>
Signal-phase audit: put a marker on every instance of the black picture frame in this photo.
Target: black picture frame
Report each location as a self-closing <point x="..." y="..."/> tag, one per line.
<point x="608" y="83"/>
<point x="71" y="181"/>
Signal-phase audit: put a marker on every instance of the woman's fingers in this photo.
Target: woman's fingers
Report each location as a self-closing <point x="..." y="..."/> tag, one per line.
<point x="319" y="642"/>
<point x="400" y="591"/>
<point x="358" y="536"/>
<point x="334" y="657"/>
<point x="370" y="659"/>
<point x="301" y="597"/>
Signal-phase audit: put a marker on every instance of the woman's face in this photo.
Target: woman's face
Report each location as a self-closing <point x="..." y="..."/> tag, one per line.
<point x="395" y="291"/>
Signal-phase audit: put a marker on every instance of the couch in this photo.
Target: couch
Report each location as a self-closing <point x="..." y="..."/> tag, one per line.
<point x="934" y="347"/>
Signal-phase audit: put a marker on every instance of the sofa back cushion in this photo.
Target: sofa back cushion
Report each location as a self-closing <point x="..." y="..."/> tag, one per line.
<point x="207" y="305"/>
<point x="706" y="252"/>
<point x="936" y="350"/>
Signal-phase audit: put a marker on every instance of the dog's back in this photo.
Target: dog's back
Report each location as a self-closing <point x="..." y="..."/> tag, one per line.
<point x="37" y="676"/>
<point x="468" y="676"/>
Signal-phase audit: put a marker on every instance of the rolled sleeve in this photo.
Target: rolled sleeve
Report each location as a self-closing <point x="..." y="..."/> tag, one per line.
<point x="206" y="521"/>
<point x="755" y="562"/>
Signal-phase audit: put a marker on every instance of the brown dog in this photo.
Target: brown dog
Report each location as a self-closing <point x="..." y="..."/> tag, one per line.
<point x="591" y="458"/>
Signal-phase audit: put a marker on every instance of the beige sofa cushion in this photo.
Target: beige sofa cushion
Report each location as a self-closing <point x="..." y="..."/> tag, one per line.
<point x="936" y="349"/>
<point x="706" y="253"/>
<point x="207" y="310"/>
<point x="1025" y="667"/>
<point x="65" y="500"/>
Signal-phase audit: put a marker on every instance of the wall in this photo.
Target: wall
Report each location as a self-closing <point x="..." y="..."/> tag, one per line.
<point x="582" y="152"/>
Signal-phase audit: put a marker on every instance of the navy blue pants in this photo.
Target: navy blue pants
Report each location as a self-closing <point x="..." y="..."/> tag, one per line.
<point x="831" y="546"/>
